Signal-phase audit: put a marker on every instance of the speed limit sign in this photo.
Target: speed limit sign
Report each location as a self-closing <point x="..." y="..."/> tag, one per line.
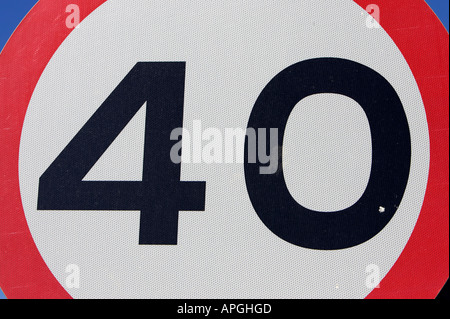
<point x="216" y="149"/>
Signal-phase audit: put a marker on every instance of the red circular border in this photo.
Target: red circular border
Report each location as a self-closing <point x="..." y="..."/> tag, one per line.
<point x="420" y="271"/>
<point x="23" y="272"/>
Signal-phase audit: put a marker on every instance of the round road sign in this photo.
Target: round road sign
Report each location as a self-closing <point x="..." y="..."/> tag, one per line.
<point x="200" y="149"/>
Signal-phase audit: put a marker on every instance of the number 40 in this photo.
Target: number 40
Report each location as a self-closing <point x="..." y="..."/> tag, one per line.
<point x="161" y="194"/>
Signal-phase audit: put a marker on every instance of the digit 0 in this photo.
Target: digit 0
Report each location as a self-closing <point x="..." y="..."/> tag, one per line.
<point x="391" y="155"/>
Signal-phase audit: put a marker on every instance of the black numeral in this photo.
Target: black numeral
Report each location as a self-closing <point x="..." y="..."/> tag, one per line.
<point x="391" y="155"/>
<point x="160" y="195"/>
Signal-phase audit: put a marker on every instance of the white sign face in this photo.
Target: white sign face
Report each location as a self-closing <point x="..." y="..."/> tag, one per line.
<point x="231" y="52"/>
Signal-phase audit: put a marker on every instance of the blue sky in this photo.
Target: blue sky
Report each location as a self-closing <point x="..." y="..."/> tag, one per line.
<point x="12" y="12"/>
<point x="440" y="7"/>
